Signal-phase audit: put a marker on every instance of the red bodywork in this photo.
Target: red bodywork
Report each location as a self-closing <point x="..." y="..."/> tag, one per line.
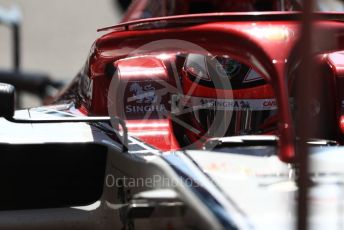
<point x="267" y="44"/>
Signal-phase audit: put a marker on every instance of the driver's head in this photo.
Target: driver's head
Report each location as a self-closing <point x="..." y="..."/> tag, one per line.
<point x="224" y="97"/>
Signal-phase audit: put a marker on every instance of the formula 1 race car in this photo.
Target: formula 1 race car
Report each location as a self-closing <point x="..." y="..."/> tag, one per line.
<point x="186" y="118"/>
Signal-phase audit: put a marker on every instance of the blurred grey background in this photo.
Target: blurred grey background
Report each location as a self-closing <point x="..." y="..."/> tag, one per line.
<point x="56" y="35"/>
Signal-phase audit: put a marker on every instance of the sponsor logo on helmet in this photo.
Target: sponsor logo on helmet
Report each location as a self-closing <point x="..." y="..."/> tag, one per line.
<point x="230" y="104"/>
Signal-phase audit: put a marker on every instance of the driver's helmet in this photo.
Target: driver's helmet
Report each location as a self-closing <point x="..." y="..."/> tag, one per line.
<point x="224" y="97"/>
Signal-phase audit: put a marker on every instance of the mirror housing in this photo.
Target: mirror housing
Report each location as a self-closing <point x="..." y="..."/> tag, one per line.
<point x="7" y="100"/>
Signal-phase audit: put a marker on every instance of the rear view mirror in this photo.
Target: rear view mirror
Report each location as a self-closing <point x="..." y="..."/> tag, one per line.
<point x="7" y="100"/>
<point x="7" y="110"/>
